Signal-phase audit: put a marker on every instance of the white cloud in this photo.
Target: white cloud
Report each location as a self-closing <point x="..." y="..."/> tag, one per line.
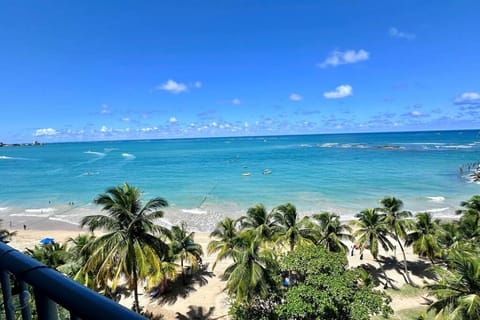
<point x="126" y="119"/>
<point x="105" y="129"/>
<point x="172" y="120"/>
<point x="149" y="129"/>
<point x="395" y="33"/>
<point x="105" y="109"/>
<point x="344" y="57"/>
<point x="172" y="87"/>
<point x="198" y="84"/>
<point x="214" y="124"/>
<point x="236" y="101"/>
<point x="295" y="97"/>
<point x="342" y="91"/>
<point x="468" y="98"/>
<point x="46" y="132"/>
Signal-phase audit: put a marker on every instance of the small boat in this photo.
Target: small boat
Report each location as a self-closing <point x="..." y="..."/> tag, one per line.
<point x="267" y="171"/>
<point x="246" y="174"/>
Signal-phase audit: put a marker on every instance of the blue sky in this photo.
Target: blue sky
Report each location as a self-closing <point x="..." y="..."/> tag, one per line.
<point x="101" y="70"/>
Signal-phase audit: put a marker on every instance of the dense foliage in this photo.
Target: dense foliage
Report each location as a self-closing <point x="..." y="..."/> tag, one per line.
<point x="266" y="248"/>
<point x="326" y="289"/>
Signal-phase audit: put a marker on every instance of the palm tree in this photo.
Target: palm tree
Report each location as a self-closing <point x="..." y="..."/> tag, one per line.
<point x="5" y="235"/>
<point x="250" y="274"/>
<point x="53" y="254"/>
<point x="259" y="221"/>
<point x="130" y="247"/>
<point x="331" y="232"/>
<point x="372" y="233"/>
<point x="424" y="237"/>
<point x="225" y="239"/>
<point x="78" y="254"/>
<point x="288" y="229"/>
<point x="472" y="208"/>
<point x="458" y="290"/>
<point x="399" y="224"/>
<point x="185" y="248"/>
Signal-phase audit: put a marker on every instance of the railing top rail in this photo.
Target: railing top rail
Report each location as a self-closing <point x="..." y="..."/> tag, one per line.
<point x="83" y="302"/>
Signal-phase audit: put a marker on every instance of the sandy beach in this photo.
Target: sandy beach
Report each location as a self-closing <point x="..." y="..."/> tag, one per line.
<point x="204" y="295"/>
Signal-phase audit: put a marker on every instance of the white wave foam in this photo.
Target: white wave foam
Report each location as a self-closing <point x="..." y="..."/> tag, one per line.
<point x="437" y="210"/>
<point x="128" y="156"/>
<point x="63" y="220"/>
<point x="328" y="145"/>
<point x="100" y="154"/>
<point x="436" y="199"/>
<point x="460" y="146"/>
<point x="36" y="215"/>
<point x="305" y="145"/>
<point x="194" y="211"/>
<point x="3" y="209"/>
<point x="6" y="158"/>
<point x="40" y="210"/>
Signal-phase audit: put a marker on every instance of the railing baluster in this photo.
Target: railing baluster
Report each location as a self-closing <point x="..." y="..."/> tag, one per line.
<point x="50" y="286"/>
<point x="25" y="301"/>
<point x="7" y="295"/>
<point x="46" y="308"/>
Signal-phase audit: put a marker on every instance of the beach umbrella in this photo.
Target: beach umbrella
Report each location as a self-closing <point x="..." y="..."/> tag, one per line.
<point x="47" y="241"/>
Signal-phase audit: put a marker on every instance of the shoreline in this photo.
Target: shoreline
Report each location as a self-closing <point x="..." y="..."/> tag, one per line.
<point x="200" y="219"/>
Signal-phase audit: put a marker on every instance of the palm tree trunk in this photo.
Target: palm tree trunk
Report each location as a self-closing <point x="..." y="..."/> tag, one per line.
<point x="183" y="271"/>
<point x="409" y="280"/>
<point x="135" y="286"/>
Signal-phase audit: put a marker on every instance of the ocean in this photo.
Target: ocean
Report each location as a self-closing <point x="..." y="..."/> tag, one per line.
<point x="206" y="180"/>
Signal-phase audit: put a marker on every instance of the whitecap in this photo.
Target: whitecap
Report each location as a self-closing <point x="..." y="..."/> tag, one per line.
<point x="3" y="209"/>
<point x="328" y="145"/>
<point x="461" y="146"/>
<point x="436" y="199"/>
<point x="6" y="158"/>
<point x="194" y="211"/>
<point x="100" y="154"/>
<point x="436" y="210"/>
<point x="305" y="145"/>
<point x="128" y="156"/>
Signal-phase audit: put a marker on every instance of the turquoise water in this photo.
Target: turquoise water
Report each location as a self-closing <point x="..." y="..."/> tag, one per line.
<point x="203" y="179"/>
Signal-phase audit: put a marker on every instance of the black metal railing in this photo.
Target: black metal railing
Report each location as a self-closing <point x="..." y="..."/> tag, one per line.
<point x="50" y="289"/>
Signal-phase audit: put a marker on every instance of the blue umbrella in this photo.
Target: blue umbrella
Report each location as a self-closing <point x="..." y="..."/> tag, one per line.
<point x="47" y="241"/>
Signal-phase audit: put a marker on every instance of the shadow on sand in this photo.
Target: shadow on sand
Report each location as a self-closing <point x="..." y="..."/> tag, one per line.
<point x="177" y="288"/>
<point x="417" y="268"/>
<point x="196" y="313"/>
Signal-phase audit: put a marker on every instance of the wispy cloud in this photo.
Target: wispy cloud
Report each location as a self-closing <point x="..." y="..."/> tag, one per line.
<point x="236" y="101"/>
<point x="337" y="58"/>
<point x="416" y="114"/>
<point x="105" y="129"/>
<point x="172" y="120"/>
<point x="395" y="33"/>
<point x="472" y="98"/>
<point x="45" y="132"/>
<point x="172" y="87"/>
<point x="198" y="84"/>
<point x="342" y="91"/>
<point x="105" y="109"/>
<point x="295" y="97"/>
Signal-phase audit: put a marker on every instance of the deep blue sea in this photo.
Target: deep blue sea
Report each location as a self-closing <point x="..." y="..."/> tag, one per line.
<point x="206" y="180"/>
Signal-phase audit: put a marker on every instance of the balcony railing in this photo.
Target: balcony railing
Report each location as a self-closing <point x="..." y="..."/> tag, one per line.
<point x="50" y="288"/>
